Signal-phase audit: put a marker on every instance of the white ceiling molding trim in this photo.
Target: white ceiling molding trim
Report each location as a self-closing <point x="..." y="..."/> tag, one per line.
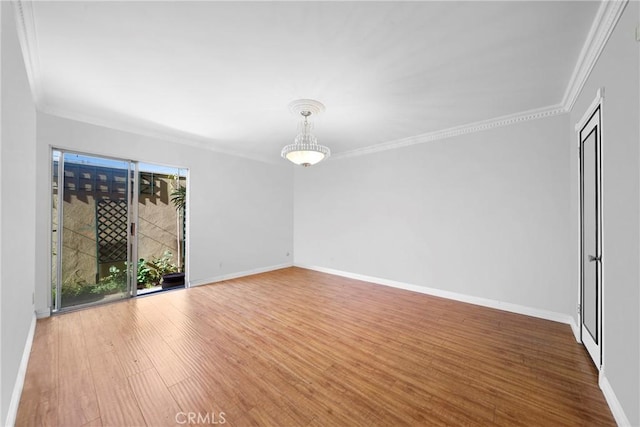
<point x="23" y="11"/>
<point x="605" y="21"/>
<point x="603" y="25"/>
<point x="175" y="137"/>
<point x="510" y="119"/>
<point x="26" y="27"/>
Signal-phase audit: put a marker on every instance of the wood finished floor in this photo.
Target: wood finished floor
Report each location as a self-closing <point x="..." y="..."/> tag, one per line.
<point x="301" y="348"/>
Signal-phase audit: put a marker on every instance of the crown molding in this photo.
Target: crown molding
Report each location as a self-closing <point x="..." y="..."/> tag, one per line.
<point x="603" y="25"/>
<point x="173" y="136"/>
<point x="524" y="116"/>
<point x="605" y="21"/>
<point x="26" y="26"/>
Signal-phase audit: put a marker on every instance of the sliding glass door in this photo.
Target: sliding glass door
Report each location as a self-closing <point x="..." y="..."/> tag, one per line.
<point x="119" y="229"/>
<point x="92" y="229"/>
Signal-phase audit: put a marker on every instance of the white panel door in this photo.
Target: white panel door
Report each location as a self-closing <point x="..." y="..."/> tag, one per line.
<point x="591" y="234"/>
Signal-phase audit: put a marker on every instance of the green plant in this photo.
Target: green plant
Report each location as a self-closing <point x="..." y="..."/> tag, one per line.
<point x="116" y="281"/>
<point x="75" y="287"/>
<point x="179" y="200"/>
<point x="163" y="265"/>
<point x="147" y="277"/>
<point x="179" y="197"/>
<point x="150" y="272"/>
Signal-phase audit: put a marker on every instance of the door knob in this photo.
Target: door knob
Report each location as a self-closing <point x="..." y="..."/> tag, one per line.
<point x="594" y="258"/>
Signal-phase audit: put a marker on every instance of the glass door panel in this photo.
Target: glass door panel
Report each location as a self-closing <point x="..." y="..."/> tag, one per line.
<point x="93" y="229"/>
<point x="161" y="207"/>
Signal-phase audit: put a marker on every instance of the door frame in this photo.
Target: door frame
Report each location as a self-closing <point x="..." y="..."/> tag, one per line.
<point x="596" y="107"/>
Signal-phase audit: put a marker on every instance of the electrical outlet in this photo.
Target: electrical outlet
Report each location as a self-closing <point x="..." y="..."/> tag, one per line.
<point x="579" y="308"/>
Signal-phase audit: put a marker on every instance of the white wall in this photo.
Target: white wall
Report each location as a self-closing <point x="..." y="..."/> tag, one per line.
<point x="483" y="214"/>
<point x="17" y="181"/>
<point x="240" y="210"/>
<point x="618" y="72"/>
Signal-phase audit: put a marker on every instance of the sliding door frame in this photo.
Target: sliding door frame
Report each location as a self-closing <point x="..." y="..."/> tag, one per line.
<point x="132" y="240"/>
<point x="133" y="229"/>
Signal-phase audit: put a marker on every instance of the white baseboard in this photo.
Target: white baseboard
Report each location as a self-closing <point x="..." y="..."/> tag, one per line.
<point x="238" y="274"/>
<point x="575" y="329"/>
<point x="485" y="302"/>
<point x="612" y="401"/>
<point x="41" y="314"/>
<point x="12" y="413"/>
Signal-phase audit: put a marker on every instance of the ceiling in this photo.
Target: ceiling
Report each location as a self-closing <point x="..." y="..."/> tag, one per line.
<point x="221" y="74"/>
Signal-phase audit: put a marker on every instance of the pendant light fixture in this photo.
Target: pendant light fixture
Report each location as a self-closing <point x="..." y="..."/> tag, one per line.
<point x="305" y="150"/>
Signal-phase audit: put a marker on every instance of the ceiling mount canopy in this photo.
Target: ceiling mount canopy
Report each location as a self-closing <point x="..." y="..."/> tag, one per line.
<point x="305" y="150"/>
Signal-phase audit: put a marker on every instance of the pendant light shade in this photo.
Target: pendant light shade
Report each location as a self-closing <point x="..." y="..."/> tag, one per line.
<point x="305" y="150"/>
